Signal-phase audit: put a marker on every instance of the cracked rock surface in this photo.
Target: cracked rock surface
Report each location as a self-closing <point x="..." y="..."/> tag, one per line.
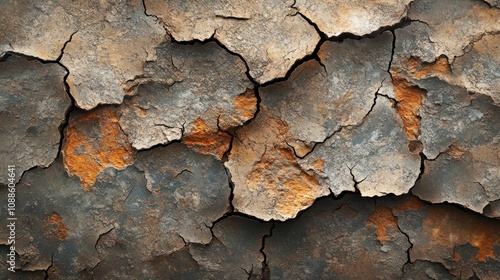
<point x="216" y="139"/>
<point x="33" y="104"/>
<point x="238" y="25"/>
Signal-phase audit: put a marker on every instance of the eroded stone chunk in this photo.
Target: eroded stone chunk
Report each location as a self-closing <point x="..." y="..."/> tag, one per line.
<point x="269" y="181"/>
<point x="467" y="244"/>
<point x="267" y="34"/>
<point x="453" y="116"/>
<point x="335" y="236"/>
<point x="94" y="141"/>
<point x="234" y="253"/>
<point x="102" y="57"/>
<point x="374" y="154"/>
<point x="465" y="22"/>
<point x="355" y="17"/>
<point x="477" y="70"/>
<point x="113" y="39"/>
<point x="33" y="104"/>
<point x="193" y="91"/>
<point x="461" y="132"/>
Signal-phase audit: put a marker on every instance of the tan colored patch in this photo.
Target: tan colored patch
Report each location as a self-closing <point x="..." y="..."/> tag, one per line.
<point x="87" y="155"/>
<point x="201" y="139"/>
<point x="384" y="221"/>
<point x="446" y="229"/>
<point x="279" y="174"/>
<point x="410" y="98"/>
<point x="454" y="151"/>
<point x="246" y="104"/>
<point x="319" y="164"/>
<point x="62" y="231"/>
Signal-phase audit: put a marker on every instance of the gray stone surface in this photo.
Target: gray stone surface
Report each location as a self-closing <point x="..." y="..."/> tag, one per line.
<point x="234" y="253"/>
<point x="458" y="126"/>
<point x="355" y="17"/>
<point x="147" y="213"/>
<point x="350" y="238"/>
<point x="374" y="154"/>
<point x="33" y="104"/>
<point x="191" y="91"/>
<point x="267" y="34"/>
<point x="465" y="243"/>
<point x="453" y="25"/>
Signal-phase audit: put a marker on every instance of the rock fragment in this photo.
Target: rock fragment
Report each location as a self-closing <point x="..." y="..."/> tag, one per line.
<point x="457" y="117"/>
<point x="242" y="27"/>
<point x="354" y="17"/>
<point x="197" y="91"/>
<point x="374" y="154"/>
<point x="33" y="104"/>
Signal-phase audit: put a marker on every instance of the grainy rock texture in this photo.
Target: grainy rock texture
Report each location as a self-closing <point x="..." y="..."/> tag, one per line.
<point x="269" y="35"/>
<point x="33" y="104"/>
<point x="216" y="139"/>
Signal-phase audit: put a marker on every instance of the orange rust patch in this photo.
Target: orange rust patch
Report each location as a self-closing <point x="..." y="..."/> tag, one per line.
<point x="280" y="176"/>
<point x="319" y="164"/>
<point x="246" y="104"/>
<point x="201" y="139"/>
<point x="410" y="98"/>
<point x="86" y="154"/>
<point x="411" y="204"/>
<point x="448" y="227"/>
<point x="62" y="230"/>
<point x="439" y="68"/>
<point x="454" y="151"/>
<point x="384" y="221"/>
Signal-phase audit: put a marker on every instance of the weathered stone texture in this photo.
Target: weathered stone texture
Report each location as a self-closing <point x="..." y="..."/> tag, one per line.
<point x="456" y="120"/>
<point x="243" y="27"/>
<point x="110" y="41"/>
<point x="271" y="182"/>
<point x="218" y="139"/>
<point x="33" y="104"/>
<point x="354" y="17"/>
<point x="193" y="91"/>
<point x="351" y="238"/>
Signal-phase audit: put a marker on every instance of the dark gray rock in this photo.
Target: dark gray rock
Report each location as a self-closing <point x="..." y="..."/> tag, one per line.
<point x="33" y="104"/>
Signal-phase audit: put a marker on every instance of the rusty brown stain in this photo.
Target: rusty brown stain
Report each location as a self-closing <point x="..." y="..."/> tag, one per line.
<point x="62" y="230"/>
<point x="449" y="228"/>
<point x="86" y="156"/>
<point x="410" y="98"/>
<point x="246" y="104"/>
<point x="412" y="204"/>
<point x="384" y="221"/>
<point x="201" y="139"/>
<point x="454" y="151"/>
<point x="419" y="70"/>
